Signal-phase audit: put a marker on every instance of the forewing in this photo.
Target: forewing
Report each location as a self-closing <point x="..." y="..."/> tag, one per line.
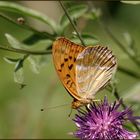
<point x="64" y="56"/>
<point x="94" y="69"/>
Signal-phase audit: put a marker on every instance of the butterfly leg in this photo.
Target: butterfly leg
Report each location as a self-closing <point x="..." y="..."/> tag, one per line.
<point x="70" y="113"/>
<point x="96" y="100"/>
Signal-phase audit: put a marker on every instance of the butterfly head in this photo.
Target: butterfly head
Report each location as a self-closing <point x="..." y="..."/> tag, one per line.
<point x="78" y="103"/>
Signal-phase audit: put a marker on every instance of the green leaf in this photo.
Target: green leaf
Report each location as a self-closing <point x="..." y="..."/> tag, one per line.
<point x="88" y="39"/>
<point x="128" y="38"/>
<point x="22" y="86"/>
<point x="35" y="38"/>
<point x="19" y="65"/>
<point x="94" y="14"/>
<point x="130" y="43"/>
<point x="10" y="6"/>
<point x="37" y="62"/>
<point x="129" y="126"/>
<point x="14" y="42"/>
<point x="18" y="73"/>
<point x="18" y="76"/>
<point x="43" y="60"/>
<point x="75" y="12"/>
<point x="11" y="60"/>
<point x="130" y="2"/>
<point x="34" y="64"/>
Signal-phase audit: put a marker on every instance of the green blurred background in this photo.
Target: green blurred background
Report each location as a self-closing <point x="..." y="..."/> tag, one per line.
<point x="20" y="115"/>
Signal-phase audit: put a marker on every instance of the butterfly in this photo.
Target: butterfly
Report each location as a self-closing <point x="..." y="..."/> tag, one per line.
<point x="82" y="70"/>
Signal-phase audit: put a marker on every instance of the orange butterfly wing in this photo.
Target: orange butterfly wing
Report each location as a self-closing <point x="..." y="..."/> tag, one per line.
<point x="64" y="56"/>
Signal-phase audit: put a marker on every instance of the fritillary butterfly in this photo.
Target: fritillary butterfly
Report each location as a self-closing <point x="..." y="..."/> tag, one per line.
<point x="82" y="70"/>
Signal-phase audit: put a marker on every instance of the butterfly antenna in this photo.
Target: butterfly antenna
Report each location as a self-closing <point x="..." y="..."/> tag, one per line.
<point x="53" y="107"/>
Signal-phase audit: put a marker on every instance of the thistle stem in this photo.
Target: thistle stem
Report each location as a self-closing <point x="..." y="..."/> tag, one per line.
<point x="116" y="94"/>
<point x="72" y="23"/>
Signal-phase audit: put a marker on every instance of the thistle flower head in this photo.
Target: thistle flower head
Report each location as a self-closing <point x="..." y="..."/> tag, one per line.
<point x="103" y="121"/>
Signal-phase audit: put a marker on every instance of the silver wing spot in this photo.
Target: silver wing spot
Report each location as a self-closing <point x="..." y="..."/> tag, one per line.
<point x="94" y="69"/>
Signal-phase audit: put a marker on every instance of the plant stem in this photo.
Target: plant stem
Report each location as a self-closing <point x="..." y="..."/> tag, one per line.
<point x="116" y="94"/>
<point x="27" y="27"/>
<point x="72" y="23"/>
<point x="25" y="51"/>
<point x="105" y="27"/>
<point x="9" y="6"/>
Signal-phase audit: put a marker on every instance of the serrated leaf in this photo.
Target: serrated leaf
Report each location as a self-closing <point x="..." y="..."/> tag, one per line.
<point x="14" y="42"/>
<point x="130" y="2"/>
<point x="18" y="76"/>
<point x="88" y="39"/>
<point x="18" y="65"/>
<point x="74" y="12"/>
<point x="11" y="60"/>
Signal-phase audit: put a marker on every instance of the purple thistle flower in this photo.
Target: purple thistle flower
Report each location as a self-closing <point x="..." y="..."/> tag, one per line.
<point x="104" y="121"/>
